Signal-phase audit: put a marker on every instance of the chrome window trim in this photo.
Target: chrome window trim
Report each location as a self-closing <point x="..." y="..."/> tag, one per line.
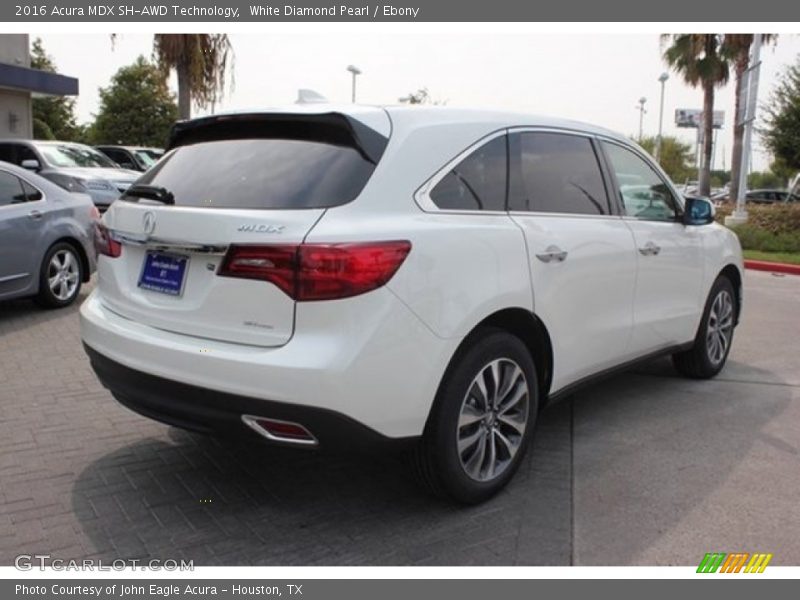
<point x="525" y="213"/>
<point x="426" y="204"/>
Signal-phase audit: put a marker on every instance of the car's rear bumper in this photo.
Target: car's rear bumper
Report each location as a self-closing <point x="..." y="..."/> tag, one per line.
<point x="368" y="359"/>
<point x="219" y="413"/>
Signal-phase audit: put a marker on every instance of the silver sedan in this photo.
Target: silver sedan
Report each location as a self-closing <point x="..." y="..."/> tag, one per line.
<point x="46" y="238"/>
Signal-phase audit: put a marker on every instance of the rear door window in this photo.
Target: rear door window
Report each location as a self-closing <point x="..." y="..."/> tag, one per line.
<point x="261" y="173"/>
<point x="556" y="173"/>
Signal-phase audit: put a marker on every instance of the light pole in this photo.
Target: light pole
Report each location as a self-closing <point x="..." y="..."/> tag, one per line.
<point x="355" y="71"/>
<point x="641" y="110"/>
<point x="663" y="79"/>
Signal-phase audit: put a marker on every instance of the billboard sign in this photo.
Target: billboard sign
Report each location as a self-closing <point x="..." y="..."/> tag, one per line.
<point x="693" y="118"/>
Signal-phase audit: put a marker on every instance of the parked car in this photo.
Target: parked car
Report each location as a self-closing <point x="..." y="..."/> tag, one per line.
<point x="46" y="239"/>
<point x="136" y="158"/>
<point x="771" y="197"/>
<point x="74" y="167"/>
<point x="422" y="277"/>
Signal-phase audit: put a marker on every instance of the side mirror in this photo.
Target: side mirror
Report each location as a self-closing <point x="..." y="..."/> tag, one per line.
<point x="31" y="164"/>
<point x="698" y="211"/>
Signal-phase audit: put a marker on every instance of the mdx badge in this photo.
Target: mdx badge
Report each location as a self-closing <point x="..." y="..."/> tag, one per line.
<point x="258" y="228"/>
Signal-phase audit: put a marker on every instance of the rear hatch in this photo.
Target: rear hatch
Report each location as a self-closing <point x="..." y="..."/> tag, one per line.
<point x="226" y="182"/>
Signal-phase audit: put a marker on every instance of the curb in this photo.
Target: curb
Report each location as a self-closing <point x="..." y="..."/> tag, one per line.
<point x="763" y="265"/>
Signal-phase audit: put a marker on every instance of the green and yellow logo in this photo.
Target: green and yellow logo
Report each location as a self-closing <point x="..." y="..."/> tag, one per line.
<point x="715" y="562"/>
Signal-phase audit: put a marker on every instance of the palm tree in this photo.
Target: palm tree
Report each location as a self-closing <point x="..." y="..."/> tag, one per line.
<point x="736" y="48"/>
<point x="698" y="59"/>
<point x="200" y="62"/>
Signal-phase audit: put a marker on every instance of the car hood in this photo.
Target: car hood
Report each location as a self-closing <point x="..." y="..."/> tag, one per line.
<point x="110" y="174"/>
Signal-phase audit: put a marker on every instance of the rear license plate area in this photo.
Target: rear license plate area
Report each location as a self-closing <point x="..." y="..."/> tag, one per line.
<point x="164" y="273"/>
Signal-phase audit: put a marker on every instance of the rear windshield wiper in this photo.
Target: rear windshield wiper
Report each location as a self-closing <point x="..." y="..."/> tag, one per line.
<point x="150" y="192"/>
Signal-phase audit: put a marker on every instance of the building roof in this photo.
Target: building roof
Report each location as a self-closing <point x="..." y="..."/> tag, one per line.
<point x="36" y="81"/>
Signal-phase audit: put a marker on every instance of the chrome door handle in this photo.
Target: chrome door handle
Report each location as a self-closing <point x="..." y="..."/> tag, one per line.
<point x="649" y="249"/>
<point x="552" y="254"/>
<point x="35" y="214"/>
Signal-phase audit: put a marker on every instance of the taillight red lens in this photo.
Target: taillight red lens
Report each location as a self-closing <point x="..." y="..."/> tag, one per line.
<point x="104" y="243"/>
<point x="275" y="264"/>
<point x="318" y="271"/>
<point x="329" y="271"/>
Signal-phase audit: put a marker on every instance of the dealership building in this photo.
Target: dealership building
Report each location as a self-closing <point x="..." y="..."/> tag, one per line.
<point x="19" y="84"/>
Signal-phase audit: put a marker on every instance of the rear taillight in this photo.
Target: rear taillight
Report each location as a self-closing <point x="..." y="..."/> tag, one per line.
<point x="318" y="271"/>
<point x="104" y="243"/>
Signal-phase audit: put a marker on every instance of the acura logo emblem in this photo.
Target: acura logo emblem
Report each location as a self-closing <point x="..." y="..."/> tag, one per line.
<point x="149" y="222"/>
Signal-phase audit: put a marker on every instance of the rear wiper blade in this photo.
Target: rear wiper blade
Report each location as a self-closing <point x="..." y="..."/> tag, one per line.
<point x="150" y="192"/>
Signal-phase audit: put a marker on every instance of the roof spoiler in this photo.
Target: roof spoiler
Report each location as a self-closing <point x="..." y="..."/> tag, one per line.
<point x="332" y="128"/>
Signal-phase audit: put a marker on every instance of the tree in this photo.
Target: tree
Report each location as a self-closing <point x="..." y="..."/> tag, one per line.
<point x="764" y="179"/>
<point x="52" y="115"/>
<point x="698" y="59"/>
<point x="200" y="62"/>
<point x="736" y="48"/>
<point x="676" y="156"/>
<point x="421" y="96"/>
<point x="136" y="108"/>
<point x="41" y="130"/>
<point x="781" y="133"/>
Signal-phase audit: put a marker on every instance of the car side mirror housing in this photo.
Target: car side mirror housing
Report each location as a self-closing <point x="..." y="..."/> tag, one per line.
<point x="698" y="211"/>
<point x="31" y="164"/>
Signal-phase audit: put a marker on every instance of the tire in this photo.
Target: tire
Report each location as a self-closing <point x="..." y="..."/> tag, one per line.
<point x="714" y="336"/>
<point x="469" y="475"/>
<point x="60" y="276"/>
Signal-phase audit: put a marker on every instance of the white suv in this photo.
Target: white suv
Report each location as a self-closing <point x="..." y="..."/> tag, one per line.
<point x="432" y="277"/>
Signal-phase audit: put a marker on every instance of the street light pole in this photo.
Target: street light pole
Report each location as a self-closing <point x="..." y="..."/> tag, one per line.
<point x="355" y="72"/>
<point x="641" y="110"/>
<point x="663" y="79"/>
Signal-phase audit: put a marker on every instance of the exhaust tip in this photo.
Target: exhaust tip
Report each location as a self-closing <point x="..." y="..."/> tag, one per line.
<point x="276" y="430"/>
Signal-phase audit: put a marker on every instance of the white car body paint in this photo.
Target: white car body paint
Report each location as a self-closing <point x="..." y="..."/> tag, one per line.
<point x="379" y="357"/>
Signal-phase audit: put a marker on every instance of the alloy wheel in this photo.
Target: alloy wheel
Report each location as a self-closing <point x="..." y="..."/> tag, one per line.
<point x="493" y="419"/>
<point x="63" y="274"/>
<point x="720" y="327"/>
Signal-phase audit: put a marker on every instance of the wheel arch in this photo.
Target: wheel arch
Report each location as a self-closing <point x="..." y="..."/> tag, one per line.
<point x="527" y="327"/>
<point x="531" y="330"/>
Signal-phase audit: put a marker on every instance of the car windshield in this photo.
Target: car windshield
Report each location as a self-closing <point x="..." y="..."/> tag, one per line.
<point x="74" y="155"/>
<point x="147" y="157"/>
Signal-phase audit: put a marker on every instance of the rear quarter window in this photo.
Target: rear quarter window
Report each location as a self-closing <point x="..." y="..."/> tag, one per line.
<point x="262" y="174"/>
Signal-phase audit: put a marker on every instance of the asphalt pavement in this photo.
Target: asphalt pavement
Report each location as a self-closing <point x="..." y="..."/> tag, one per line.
<point x="645" y="468"/>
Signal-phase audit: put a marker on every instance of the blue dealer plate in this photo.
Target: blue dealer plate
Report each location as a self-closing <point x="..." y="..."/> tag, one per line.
<point x="164" y="273"/>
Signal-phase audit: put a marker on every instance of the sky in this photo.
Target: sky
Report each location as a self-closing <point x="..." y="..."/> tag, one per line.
<point x="597" y="78"/>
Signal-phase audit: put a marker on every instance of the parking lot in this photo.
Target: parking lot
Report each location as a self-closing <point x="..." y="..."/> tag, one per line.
<point x="644" y="468"/>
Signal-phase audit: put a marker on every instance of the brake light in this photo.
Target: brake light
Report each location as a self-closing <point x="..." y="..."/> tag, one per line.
<point x="308" y="272"/>
<point x="104" y="243"/>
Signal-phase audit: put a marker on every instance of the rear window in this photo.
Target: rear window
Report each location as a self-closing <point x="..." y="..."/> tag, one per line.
<point x="261" y="173"/>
